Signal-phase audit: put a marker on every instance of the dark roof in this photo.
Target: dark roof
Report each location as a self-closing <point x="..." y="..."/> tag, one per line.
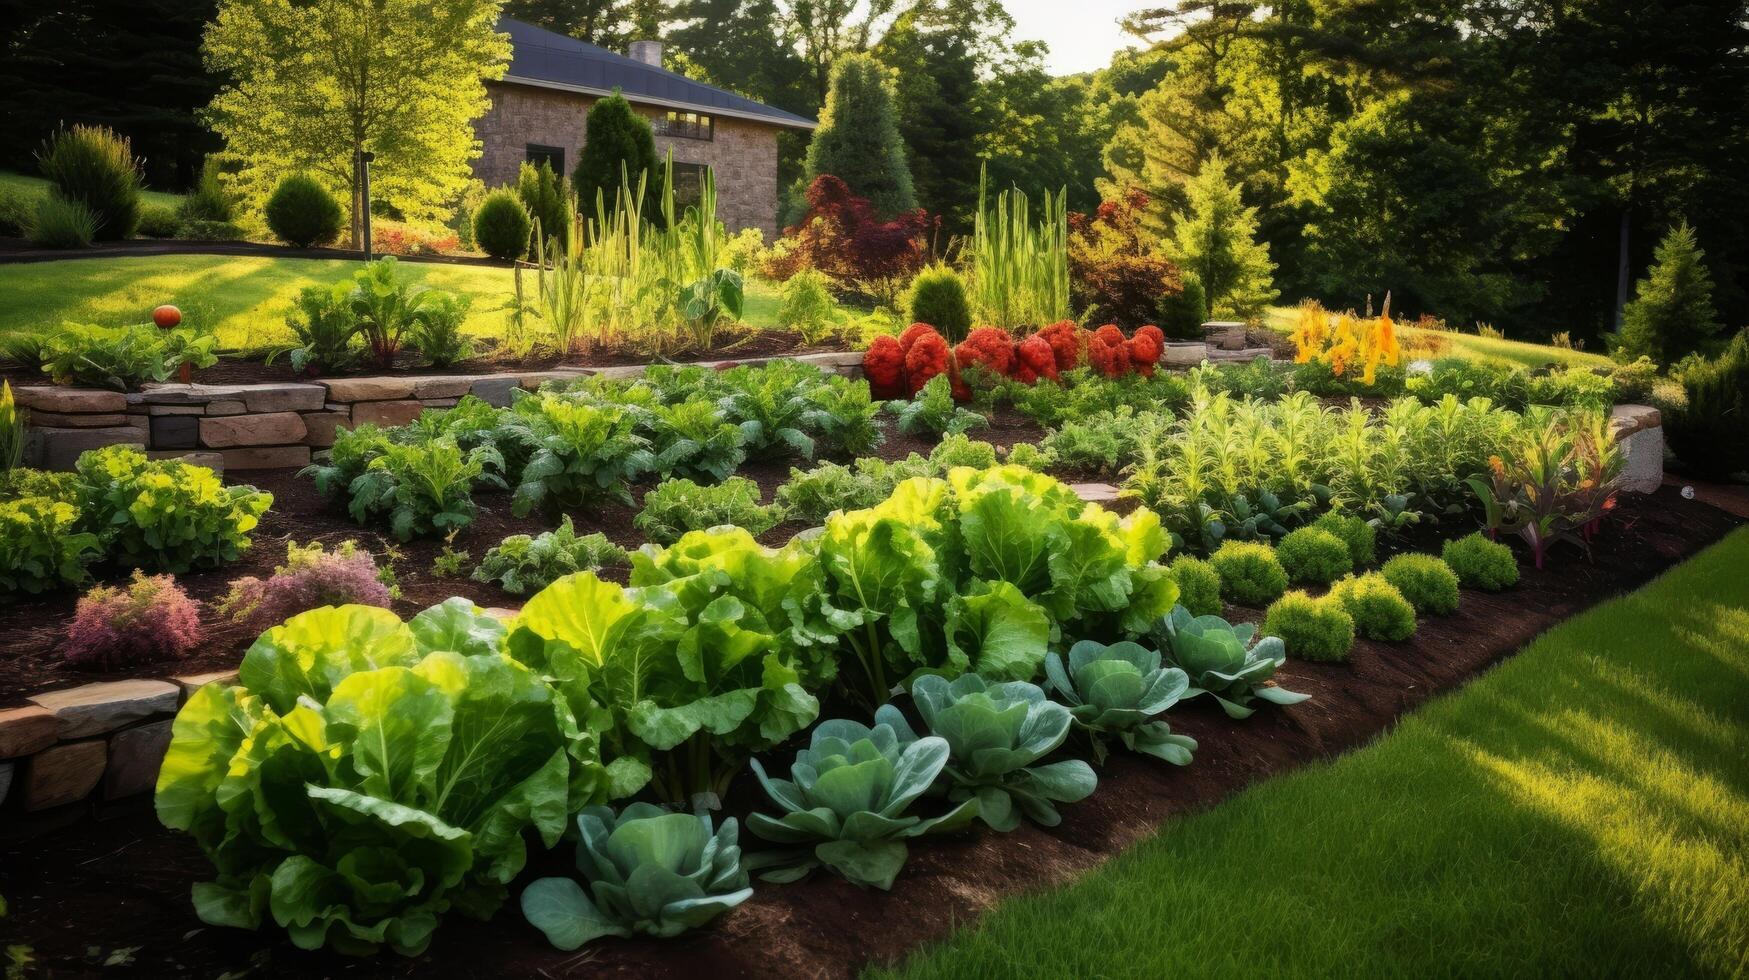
<point x="541" y="57"/>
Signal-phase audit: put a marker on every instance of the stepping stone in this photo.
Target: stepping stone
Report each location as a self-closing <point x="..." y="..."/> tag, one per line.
<point x="1095" y="493"/>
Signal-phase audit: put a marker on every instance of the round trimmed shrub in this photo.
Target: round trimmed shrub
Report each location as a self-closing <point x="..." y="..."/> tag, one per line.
<point x="1199" y="585"/>
<point x="1360" y="537"/>
<point x="159" y="221"/>
<point x="1250" y="573"/>
<point x="302" y="213"/>
<point x="502" y="225"/>
<point x="1380" y="612"/>
<point x="1312" y="629"/>
<point x="1428" y="583"/>
<point x="1313" y="554"/>
<point x="938" y="298"/>
<point x="96" y="167"/>
<point x="1480" y="563"/>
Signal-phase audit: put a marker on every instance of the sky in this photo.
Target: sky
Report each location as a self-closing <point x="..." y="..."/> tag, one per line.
<point x="1082" y="33"/>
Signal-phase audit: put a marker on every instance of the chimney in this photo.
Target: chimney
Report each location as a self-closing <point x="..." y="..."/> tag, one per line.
<point x="648" y="52"/>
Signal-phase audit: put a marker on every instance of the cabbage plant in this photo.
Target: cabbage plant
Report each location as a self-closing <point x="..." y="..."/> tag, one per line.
<point x="649" y="871"/>
<point x="844" y="805"/>
<point x="995" y="733"/>
<point x="1119" y="691"/>
<point x="1222" y="660"/>
<point x="366" y="777"/>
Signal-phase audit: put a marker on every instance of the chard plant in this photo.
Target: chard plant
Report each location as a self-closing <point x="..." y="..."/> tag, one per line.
<point x="845" y="805"/>
<point x="1225" y="660"/>
<point x="996" y="735"/>
<point x="1119" y="692"/>
<point x="650" y="872"/>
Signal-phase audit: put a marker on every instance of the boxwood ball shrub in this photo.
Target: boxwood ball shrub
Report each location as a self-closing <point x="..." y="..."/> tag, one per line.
<point x="1199" y="585"/>
<point x="1360" y="537"/>
<point x="1427" y="582"/>
<point x="502" y="225"/>
<point x="938" y="298"/>
<point x="1312" y="554"/>
<point x="302" y="213"/>
<point x="1313" y="629"/>
<point x="1480" y="563"/>
<point x="95" y="167"/>
<point x="1380" y="611"/>
<point x="151" y="619"/>
<point x="1251" y="575"/>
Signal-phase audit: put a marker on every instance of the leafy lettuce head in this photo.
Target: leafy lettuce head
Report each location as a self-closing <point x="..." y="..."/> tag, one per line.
<point x="1222" y="660"/>
<point x="1120" y="690"/>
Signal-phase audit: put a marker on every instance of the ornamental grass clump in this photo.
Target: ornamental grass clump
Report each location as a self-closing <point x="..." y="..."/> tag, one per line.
<point x="1227" y="661"/>
<point x="1312" y="629"/>
<point x="152" y="619"/>
<point x="1199" y="585"/>
<point x="1251" y="575"/>
<point x="995" y="733"/>
<point x="1427" y="582"/>
<point x="650" y="872"/>
<point x="845" y="805"/>
<point x="310" y="578"/>
<point x="1119" y="691"/>
<point x="1480" y="563"/>
<point x="1310" y="554"/>
<point x="1380" y="612"/>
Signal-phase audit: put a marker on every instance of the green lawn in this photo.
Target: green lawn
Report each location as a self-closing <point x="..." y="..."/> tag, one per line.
<point x="37" y="185"/>
<point x="244" y="297"/>
<point x="1471" y="346"/>
<point x="1583" y="810"/>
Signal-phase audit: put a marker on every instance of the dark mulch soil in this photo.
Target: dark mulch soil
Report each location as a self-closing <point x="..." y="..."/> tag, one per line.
<point x="731" y="344"/>
<point x="30" y="661"/>
<point x="122" y="882"/>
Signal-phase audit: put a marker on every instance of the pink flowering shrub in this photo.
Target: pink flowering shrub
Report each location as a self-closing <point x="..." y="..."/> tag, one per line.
<point x="309" y="579"/>
<point x="152" y="619"/>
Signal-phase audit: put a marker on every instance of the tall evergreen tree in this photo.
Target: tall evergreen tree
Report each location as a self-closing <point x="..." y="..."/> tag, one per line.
<point x="858" y="138"/>
<point x="618" y="150"/>
<point x="1672" y="313"/>
<point x="1215" y="240"/>
<point x="935" y="88"/>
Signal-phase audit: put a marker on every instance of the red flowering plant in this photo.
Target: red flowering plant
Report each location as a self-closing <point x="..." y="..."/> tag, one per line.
<point x="1035" y="359"/>
<point x="1145" y="349"/>
<point x="926" y="357"/>
<point x="1114" y="268"/>
<point x="843" y="237"/>
<point x="1066" y="340"/>
<point x="884" y="367"/>
<point x="983" y="358"/>
<point x="1108" y="352"/>
<point x="152" y="619"/>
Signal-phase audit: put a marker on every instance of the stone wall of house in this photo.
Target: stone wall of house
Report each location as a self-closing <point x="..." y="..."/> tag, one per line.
<point x="742" y="154"/>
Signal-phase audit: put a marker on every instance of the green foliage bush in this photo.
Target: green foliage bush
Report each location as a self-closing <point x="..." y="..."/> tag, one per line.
<point x="1360" y="536"/>
<point x="165" y="515"/>
<point x="17" y="210"/>
<point x="1251" y="575"/>
<point x="1426" y="581"/>
<point x="1312" y="629"/>
<point x="1199" y="585"/>
<point x="435" y="330"/>
<point x="209" y="231"/>
<point x="858" y="138"/>
<point x="523" y="565"/>
<point x="302" y="213"/>
<point x="808" y="307"/>
<point x="1672" y="313"/>
<point x="678" y="506"/>
<point x="1480" y="563"/>
<point x="617" y="146"/>
<point x="96" y="167"/>
<point x="938" y="297"/>
<point x="159" y="221"/>
<point x="1183" y="313"/>
<point x="41" y="546"/>
<point x="1311" y="554"/>
<point x="61" y="222"/>
<point x="1380" y="611"/>
<point x="502" y="226"/>
<point x="1710" y="432"/>
<point x="543" y="195"/>
<point x="209" y="200"/>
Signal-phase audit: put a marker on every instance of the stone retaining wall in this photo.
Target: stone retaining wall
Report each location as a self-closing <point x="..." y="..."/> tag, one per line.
<point x="267" y="426"/>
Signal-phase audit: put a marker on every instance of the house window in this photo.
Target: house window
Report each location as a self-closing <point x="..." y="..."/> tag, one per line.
<point x="688" y="184"/>
<point x="552" y="156"/>
<point x="685" y="125"/>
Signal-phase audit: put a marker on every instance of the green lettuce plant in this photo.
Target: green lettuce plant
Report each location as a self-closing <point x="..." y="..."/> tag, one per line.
<point x="40" y="548"/>
<point x="995" y="734"/>
<point x="521" y="564"/>
<point x="678" y="506"/>
<point x="933" y="412"/>
<point x="846" y="801"/>
<point x="366" y="777"/>
<point x="165" y="515"/>
<point x="649" y="871"/>
<point x="1222" y="660"/>
<point x="586" y="453"/>
<point x="843" y="416"/>
<point x="1119" y="691"/>
<point x="423" y="488"/>
<point x="695" y="440"/>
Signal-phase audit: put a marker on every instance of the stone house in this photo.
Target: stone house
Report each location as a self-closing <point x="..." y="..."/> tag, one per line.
<point x="538" y="112"/>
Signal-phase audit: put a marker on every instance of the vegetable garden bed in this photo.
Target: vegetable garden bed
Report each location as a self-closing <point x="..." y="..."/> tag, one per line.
<point x="84" y="893"/>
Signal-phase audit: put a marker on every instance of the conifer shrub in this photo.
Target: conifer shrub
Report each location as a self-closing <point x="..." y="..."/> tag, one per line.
<point x="302" y="213"/>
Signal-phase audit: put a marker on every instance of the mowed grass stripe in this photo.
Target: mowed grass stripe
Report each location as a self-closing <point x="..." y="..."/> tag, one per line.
<point x="1582" y="810"/>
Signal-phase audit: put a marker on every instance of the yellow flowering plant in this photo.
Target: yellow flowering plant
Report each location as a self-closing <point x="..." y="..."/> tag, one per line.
<point x="1347" y="342"/>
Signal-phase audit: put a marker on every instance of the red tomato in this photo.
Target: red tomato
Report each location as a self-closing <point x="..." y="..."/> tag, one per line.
<point x="166" y="316"/>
